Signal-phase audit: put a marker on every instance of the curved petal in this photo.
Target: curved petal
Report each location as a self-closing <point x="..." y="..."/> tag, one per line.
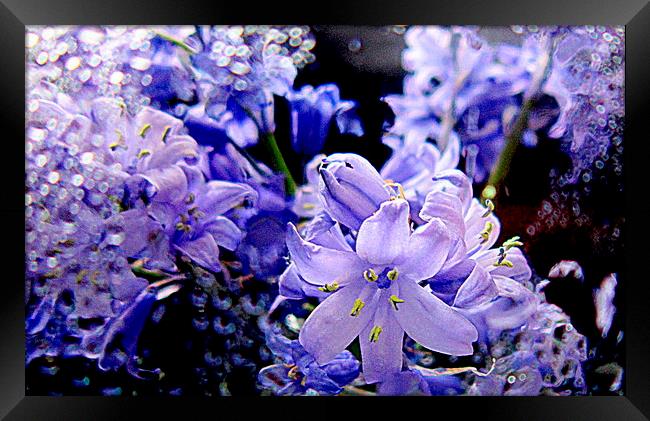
<point x="475" y="223"/>
<point x="169" y="184"/>
<point x="319" y="265"/>
<point x="383" y="357"/>
<point x="520" y="271"/>
<point x="178" y="148"/>
<point x="330" y="327"/>
<point x="448" y="208"/>
<point x="427" y="250"/>
<point x="477" y="289"/>
<point x="203" y="251"/>
<point x="432" y="323"/>
<point x="221" y="196"/>
<point x="384" y="236"/>
<point x="225" y="232"/>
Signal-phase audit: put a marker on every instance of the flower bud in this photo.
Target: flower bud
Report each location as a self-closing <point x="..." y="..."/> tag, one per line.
<point x="351" y="189"/>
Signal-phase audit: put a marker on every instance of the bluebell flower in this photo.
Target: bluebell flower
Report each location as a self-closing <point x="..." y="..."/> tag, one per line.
<point x="415" y="164"/>
<point x="546" y="357"/>
<point x="306" y="203"/>
<point x="460" y="84"/>
<point x="299" y="373"/>
<point x="375" y="293"/>
<point x="587" y="79"/>
<point x="351" y="189"/>
<point x="312" y="112"/>
<point x="238" y="70"/>
<point x="117" y="345"/>
<point x="483" y="283"/>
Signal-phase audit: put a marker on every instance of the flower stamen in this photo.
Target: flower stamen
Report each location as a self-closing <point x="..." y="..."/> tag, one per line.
<point x="143" y="131"/>
<point x="394" y="299"/>
<point x="374" y="334"/>
<point x="356" y="308"/>
<point x="370" y="275"/>
<point x="329" y="287"/>
<point x="512" y="242"/>
<point x="490" y="208"/>
<point x="485" y="234"/>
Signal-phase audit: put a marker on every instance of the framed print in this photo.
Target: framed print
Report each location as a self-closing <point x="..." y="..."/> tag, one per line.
<point x="219" y="214"/>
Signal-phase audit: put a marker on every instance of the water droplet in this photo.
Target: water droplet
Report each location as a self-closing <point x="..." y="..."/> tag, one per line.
<point x="77" y="180"/>
<point x="53" y="177"/>
<point x="140" y="63"/>
<point x="354" y="45"/>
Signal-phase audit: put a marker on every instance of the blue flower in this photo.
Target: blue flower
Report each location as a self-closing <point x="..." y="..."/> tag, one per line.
<point x="299" y="373"/>
<point x="312" y="111"/>
<point x="351" y="189"/>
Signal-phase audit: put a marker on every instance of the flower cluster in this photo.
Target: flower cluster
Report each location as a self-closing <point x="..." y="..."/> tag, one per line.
<point x="158" y="201"/>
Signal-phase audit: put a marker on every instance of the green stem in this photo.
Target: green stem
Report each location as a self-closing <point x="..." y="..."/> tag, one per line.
<point x="507" y="154"/>
<point x="277" y="160"/>
<point x="150" y="274"/>
<point x="514" y="136"/>
<point x="177" y="42"/>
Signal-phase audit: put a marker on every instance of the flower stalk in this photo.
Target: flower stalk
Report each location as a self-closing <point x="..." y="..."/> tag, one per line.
<point x="278" y="163"/>
<point x="514" y="136"/>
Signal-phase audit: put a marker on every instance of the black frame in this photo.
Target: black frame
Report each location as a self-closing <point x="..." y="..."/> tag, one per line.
<point x="16" y="14"/>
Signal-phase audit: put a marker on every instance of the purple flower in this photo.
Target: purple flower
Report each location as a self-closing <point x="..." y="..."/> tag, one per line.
<point x="239" y="69"/>
<point x="300" y="374"/>
<point x="118" y="344"/>
<point x="307" y="203"/>
<point x="483" y="283"/>
<point x="312" y="111"/>
<point x="415" y="164"/>
<point x="376" y="295"/>
<point x="351" y="189"/>
<point x="457" y="80"/>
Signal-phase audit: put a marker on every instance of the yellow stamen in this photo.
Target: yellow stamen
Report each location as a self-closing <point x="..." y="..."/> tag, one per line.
<point x="370" y="275"/>
<point x="329" y="287"/>
<point x="490" y="208"/>
<point x="374" y="334"/>
<point x="143" y="131"/>
<point x="512" y="242"/>
<point x="394" y="299"/>
<point x="393" y="274"/>
<point x="504" y="262"/>
<point x="485" y="234"/>
<point x="143" y="153"/>
<point x="356" y="308"/>
<point x="166" y="131"/>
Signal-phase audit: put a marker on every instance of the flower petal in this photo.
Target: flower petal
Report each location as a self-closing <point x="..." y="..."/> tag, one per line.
<point x="427" y="250"/>
<point x="221" y="196"/>
<point x="432" y="323"/>
<point x="475" y="223"/>
<point x="383" y="357"/>
<point x="384" y="236"/>
<point x="319" y="265"/>
<point x="330" y="327"/>
<point x="225" y="232"/>
<point x="447" y="207"/>
<point x="520" y="271"/>
<point x="204" y="251"/>
<point x="477" y="289"/>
